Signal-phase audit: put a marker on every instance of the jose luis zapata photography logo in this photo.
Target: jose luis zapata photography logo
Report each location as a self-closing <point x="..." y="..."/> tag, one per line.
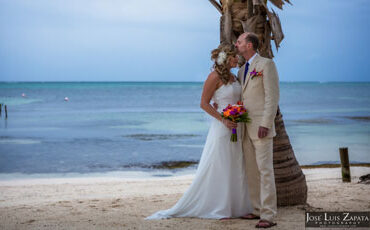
<point x="337" y="219"/>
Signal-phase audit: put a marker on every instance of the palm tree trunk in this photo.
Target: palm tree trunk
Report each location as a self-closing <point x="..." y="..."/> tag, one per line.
<point x="291" y="186"/>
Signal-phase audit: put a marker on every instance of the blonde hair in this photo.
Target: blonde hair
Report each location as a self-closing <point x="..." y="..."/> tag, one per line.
<point x="221" y="68"/>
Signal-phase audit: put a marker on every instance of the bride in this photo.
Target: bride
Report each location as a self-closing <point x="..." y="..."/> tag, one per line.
<point x="219" y="189"/>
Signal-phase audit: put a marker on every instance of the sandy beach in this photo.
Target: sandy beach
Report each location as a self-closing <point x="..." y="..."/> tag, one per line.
<point x="123" y="203"/>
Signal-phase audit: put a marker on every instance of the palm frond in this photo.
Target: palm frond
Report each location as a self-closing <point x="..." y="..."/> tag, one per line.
<point x="279" y="3"/>
<point x="216" y="5"/>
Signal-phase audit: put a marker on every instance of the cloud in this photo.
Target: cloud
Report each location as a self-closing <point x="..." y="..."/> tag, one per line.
<point x="112" y="40"/>
<point x="185" y="12"/>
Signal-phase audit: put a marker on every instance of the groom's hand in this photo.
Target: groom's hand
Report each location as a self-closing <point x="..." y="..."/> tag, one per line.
<point x="262" y="132"/>
<point x="215" y="105"/>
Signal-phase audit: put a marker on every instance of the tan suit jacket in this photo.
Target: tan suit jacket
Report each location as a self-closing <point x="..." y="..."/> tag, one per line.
<point x="260" y="95"/>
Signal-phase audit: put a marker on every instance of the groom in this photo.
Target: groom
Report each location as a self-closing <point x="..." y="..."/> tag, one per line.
<point x="260" y="95"/>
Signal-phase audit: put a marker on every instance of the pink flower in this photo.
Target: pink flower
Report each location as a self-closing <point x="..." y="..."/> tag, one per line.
<point x="254" y="73"/>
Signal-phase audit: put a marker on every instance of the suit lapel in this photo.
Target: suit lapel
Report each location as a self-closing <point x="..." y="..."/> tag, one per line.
<point x="250" y="69"/>
<point x="241" y="75"/>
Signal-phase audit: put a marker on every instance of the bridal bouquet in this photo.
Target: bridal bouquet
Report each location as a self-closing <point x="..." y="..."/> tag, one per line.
<point x="235" y="113"/>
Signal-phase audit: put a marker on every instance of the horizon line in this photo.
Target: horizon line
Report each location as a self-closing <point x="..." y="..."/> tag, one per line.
<point x="169" y="82"/>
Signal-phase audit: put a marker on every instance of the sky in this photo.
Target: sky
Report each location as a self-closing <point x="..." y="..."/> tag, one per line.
<point x="171" y="40"/>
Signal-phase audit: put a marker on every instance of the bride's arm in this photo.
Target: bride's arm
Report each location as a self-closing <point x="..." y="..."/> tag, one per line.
<point x="209" y="88"/>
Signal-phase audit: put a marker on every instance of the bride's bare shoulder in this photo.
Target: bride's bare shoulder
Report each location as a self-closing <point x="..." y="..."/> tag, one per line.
<point x="213" y="78"/>
<point x="213" y="75"/>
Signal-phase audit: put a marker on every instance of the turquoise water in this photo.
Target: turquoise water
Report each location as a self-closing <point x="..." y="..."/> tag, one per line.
<point x="121" y="126"/>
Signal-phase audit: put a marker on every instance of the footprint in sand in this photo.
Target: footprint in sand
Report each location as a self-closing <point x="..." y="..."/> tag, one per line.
<point x="76" y="213"/>
<point x="29" y="222"/>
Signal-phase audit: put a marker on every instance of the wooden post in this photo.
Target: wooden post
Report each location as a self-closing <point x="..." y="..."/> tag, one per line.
<point x="346" y="173"/>
<point x="6" y="112"/>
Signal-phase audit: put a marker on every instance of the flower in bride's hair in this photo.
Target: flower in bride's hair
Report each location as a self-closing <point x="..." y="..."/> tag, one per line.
<point x="221" y="58"/>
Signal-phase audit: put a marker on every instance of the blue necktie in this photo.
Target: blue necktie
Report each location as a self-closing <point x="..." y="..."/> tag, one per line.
<point x="246" y="70"/>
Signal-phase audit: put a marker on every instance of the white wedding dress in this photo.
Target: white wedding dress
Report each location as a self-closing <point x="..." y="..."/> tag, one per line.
<point x="219" y="189"/>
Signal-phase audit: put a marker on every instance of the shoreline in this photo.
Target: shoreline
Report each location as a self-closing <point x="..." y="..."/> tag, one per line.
<point x="18" y="178"/>
<point x="134" y="174"/>
<point x="315" y="171"/>
<point x="334" y="165"/>
<point x="123" y="203"/>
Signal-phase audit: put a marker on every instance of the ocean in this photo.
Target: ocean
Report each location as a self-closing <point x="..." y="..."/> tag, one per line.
<point x="153" y="126"/>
